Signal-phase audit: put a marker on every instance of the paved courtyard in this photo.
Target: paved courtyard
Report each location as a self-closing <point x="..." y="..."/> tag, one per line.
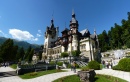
<point x="51" y="77"/>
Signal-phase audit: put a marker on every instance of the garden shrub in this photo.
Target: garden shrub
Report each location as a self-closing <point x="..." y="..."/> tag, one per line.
<point x="85" y="68"/>
<point x="14" y="66"/>
<point x="94" y="65"/>
<point x="69" y="66"/>
<point x="101" y="66"/>
<point x="116" y="67"/>
<point x="59" y="63"/>
<point x="124" y="64"/>
<point x="52" y="62"/>
<point x="75" y="53"/>
<point x="64" y="54"/>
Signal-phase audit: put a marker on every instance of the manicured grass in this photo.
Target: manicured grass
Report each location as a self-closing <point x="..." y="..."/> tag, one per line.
<point x="40" y="73"/>
<point x="98" y="78"/>
<point x="14" y="66"/>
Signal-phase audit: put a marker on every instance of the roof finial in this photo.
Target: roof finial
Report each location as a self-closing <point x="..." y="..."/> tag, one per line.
<point x="94" y="31"/>
<point x="73" y="14"/>
<point x="72" y="11"/>
<point x="52" y="17"/>
<point x="52" y="20"/>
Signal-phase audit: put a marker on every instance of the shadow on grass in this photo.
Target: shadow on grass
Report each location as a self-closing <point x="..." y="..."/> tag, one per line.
<point x="7" y="74"/>
<point x="95" y="78"/>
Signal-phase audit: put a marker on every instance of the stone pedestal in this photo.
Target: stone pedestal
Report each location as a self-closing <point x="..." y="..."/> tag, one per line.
<point x="87" y="76"/>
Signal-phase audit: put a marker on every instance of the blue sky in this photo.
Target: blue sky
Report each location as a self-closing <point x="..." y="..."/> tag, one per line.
<point x="27" y="19"/>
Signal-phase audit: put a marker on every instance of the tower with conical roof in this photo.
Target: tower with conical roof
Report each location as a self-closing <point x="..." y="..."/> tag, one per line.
<point x="74" y="33"/>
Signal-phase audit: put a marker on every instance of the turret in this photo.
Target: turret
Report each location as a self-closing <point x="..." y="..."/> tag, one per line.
<point x="74" y="24"/>
<point x="74" y="32"/>
<point x="51" y="35"/>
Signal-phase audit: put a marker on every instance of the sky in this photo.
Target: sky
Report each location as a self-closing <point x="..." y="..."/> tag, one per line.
<point x="27" y="20"/>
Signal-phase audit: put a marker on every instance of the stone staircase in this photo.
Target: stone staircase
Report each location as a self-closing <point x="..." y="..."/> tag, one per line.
<point x="81" y="63"/>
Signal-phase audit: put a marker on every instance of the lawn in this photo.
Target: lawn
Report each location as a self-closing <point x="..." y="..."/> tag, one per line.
<point x="14" y="66"/>
<point x="40" y="73"/>
<point x="98" y="78"/>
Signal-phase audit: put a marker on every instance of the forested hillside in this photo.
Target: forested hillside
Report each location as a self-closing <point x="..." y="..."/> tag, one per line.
<point x="118" y="37"/>
<point x="23" y="44"/>
<point x="12" y="52"/>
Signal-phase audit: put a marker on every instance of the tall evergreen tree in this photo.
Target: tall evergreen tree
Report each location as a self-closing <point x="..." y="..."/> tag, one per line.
<point x="117" y="37"/>
<point x="27" y="53"/>
<point x="30" y="55"/>
<point x="20" y="54"/>
<point x="6" y="50"/>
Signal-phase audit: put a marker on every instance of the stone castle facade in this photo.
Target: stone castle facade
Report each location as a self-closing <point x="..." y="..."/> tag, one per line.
<point x="71" y="39"/>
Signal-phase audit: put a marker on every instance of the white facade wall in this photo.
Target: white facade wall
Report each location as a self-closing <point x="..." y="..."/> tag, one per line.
<point x="49" y="39"/>
<point x="74" y="45"/>
<point x="74" y="42"/>
<point x="69" y="47"/>
<point x="62" y="49"/>
<point x="85" y="42"/>
<point x="87" y="46"/>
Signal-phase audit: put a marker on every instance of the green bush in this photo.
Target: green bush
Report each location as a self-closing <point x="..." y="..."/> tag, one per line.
<point x="52" y="62"/>
<point x="94" y="65"/>
<point x="59" y="63"/>
<point x="76" y="53"/>
<point x="69" y="66"/>
<point x="116" y="67"/>
<point x="77" y="66"/>
<point x="124" y="64"/>
<point x="14" y="66"/>
<point x="64" y="54"/>
<point x="101" y="66"/>
<point x="86" y="68"/>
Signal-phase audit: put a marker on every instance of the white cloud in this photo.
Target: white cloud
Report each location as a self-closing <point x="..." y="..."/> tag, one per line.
<point x="36" y="39"/>
<point x="38" y="35"/>
<point x="22" y="35"/>
<point x="5" y="35"/>
<point x="39" y="31"/>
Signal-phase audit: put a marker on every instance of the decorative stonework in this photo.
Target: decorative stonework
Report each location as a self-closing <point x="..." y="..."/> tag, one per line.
<point x="87" y="76"/>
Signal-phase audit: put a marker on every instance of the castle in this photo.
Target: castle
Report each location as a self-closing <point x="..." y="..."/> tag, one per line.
<point x="70" y="40"/>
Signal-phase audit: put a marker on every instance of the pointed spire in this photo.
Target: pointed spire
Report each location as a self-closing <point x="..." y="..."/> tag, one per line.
<point x="73" y="14"/>
<point x="52" y="18"/>
<point x="52" y="23"/>
<point x="95" y="32"/>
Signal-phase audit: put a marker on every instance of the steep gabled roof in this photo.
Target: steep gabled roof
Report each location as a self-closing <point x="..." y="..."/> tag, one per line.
<point x="85" y="31"/>
<point x="65" y="30"/>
